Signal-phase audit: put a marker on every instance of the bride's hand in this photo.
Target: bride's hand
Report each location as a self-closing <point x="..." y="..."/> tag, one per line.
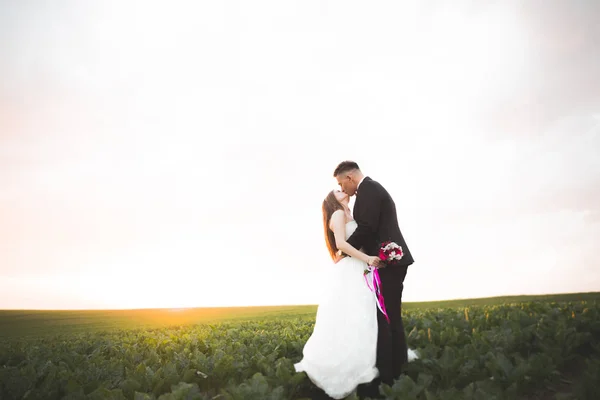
<point x="375" y="262"/>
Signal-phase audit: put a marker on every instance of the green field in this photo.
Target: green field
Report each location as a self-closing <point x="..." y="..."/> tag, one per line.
<point x="34" y="323"/>
<point x="27" y="323"/>
<point x="519" y="347"/>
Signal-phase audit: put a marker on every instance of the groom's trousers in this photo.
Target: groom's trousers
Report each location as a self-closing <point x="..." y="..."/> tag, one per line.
<point x="392" y="350"/>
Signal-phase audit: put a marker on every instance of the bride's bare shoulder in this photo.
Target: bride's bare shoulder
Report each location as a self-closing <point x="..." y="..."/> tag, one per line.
<point x="337" y="213"/>
<point x="337" y="218"/>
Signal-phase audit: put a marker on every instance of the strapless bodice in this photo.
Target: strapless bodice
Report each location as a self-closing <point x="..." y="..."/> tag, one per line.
<point x="350" y="228"/>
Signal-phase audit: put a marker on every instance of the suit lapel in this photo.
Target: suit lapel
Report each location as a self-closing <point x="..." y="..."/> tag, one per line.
<point x="362" y="183"/>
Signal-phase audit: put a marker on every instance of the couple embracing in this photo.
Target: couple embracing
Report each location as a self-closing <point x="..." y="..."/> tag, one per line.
<point x="358" y="339"/>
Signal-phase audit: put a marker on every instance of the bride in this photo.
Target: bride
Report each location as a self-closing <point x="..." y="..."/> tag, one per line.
<point x="341" y="352"/>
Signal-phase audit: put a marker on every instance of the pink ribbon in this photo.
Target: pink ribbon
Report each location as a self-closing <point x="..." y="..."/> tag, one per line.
<point x="376" y="288"/>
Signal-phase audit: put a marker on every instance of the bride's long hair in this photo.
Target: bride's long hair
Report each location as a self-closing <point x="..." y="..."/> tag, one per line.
<point x="330" y="205"/>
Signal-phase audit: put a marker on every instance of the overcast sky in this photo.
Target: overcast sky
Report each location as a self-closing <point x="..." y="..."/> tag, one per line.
<point x="176" y="154"/>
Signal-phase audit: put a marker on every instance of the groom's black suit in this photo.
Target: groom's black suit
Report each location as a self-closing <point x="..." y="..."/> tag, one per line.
<point x="375" y="214"/>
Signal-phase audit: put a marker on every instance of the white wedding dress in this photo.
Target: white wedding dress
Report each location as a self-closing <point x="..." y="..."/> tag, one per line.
<point x="340" y="354"/>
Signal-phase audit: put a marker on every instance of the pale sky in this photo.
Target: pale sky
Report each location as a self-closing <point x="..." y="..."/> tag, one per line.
<point x="176" y="154"/>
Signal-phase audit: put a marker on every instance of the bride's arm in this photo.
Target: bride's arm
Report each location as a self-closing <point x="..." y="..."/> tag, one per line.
<point x="338" y="226"/>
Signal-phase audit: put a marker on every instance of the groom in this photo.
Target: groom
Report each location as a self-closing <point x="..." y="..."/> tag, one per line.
<point x="375" y="214"/>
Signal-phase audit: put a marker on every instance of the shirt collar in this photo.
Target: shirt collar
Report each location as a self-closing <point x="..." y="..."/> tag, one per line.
<point x="357" y="186"/>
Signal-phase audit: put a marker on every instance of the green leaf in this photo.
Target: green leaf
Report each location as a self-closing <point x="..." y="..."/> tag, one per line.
<point x="142" y="396"/>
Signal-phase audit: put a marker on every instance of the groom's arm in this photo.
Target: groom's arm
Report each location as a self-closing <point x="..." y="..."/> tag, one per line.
<point x="368" y="208"/>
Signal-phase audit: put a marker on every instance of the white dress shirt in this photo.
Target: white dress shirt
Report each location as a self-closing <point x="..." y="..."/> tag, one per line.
<point x="357" y="186"/>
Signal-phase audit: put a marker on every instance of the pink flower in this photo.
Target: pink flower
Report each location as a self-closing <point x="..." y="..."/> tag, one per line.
<point x="382" y="255"/>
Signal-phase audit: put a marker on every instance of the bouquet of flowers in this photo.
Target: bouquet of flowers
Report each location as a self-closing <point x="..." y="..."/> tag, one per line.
<point x="388" y="252"/>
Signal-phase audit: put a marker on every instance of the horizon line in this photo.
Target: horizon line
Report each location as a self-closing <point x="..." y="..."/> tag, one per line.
<point x="291" y="305"/>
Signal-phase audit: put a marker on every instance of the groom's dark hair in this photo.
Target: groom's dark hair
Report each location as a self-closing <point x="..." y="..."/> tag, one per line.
<point x="345" y="166"/>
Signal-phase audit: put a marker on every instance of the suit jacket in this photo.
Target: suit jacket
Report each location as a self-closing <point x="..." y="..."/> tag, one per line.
<point x="375" y="214"/>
